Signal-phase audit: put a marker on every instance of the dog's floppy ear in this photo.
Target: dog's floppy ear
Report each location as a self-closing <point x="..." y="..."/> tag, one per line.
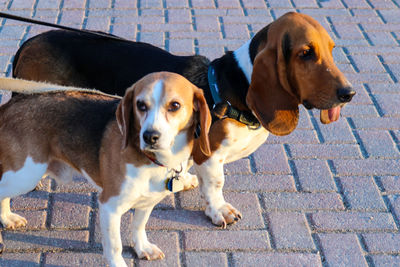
<point x="124" y="116"/>
<point x="200" y="105"/>
<point x="270" y="96"/>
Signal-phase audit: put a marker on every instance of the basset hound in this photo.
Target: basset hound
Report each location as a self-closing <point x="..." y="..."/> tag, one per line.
<point x="132" y="149"/>
<point x="256" y="89"/>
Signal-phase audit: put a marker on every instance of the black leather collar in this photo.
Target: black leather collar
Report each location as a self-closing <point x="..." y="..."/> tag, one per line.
<point x="223" y="109"/>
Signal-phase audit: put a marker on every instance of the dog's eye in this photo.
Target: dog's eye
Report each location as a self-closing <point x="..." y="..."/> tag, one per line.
<point x="141" y="106"/>
<point x="174" y="106"/>
<point x="307" y="53"/>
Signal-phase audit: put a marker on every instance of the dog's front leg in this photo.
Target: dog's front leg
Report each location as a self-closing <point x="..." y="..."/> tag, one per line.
<point x="110" y="223"/>
<point x="211" y="174"/>
<point x="143" y="248"/>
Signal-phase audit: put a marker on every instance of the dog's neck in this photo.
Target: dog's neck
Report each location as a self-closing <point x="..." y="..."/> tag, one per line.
<point x="233" y="75"/>
<point x="242" y="56"/>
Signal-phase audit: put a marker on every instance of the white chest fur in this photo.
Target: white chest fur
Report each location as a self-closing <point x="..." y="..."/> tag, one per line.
<point x="143" y="187"/>
<point x="241" y="142"/>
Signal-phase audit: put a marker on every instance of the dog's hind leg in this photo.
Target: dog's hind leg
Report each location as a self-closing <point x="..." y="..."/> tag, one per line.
<point x="15" y="183"/>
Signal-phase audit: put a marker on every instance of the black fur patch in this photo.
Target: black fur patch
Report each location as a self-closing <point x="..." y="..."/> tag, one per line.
<point x="287" y="48"/>
<point x="260" y="37"/>
<point x="232" y="82"/>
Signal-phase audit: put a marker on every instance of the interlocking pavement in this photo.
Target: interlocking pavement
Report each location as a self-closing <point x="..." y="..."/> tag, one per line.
<point x="325" y="195"/>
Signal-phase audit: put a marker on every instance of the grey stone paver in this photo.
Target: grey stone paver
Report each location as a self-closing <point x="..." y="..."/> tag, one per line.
<point x="326" y="195"/>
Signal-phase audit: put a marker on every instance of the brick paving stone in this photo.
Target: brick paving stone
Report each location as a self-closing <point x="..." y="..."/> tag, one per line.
<point x="324" y="151"/>
<point x="227" y="240"/>
<point x="302" y="201"/>
<point x="388" y="103"/>
<point x="390" y="15"/>
<point x="71" y="211"/>
<point x="179" y="16"/>
<point x="296" y="137"/>
<point x="385" y="260"/>
<point x="377" y="123"/>
<point x="290" y="230"/>
<point x="178" y="220"/>
<point x="22" y="4"/>
<point x="271" y="159"/>
<point x="382" y="38"/>
<point x="203" y="3"/>
<point x="75" y="259"/>
<point x="276" y="259"/>
<point x="182" y="47"/>
<point x="20" y="259"/>
<point x="72" y="4"/>
<point x="390" y="184"/>
<point x="342" y="250"/>
<point x="35" y="200"/>
<point x="211" y="52"/>
<point x="369" y="77"/>
<point x="206" y="259"/>
<point x="133" y="20"/>
<point x="241" y="166"/>
<point x="36" y="219"/>
<point x="368" y="63"/>
<point x="236" y="31"/>
<point x="46" y="240"/>
<point x="382" y="242"/>
<point x="362" y="193"/>
<point x="314" y="175"/>
<point x="379" y="144"/>
<point x="338" y="132"/>
<point x="79" y="184"/>
<point x="360" y="110"/>
<point x="352" y="221"/>
<point x="157" y="38"/>
<point x="260" y="183"/>
<point x="125" y="4"/>
<point x="394" y="201"/>
<point x="167" y="203"/>
<point x="366" y="167"/>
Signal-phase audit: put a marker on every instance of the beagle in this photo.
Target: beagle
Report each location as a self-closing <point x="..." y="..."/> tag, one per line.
<point x="287" y="63"/>
<point x="132" y="148"/>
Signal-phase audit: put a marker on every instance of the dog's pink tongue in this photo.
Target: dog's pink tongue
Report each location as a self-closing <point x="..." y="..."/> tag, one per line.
<point x="330" y="115"/>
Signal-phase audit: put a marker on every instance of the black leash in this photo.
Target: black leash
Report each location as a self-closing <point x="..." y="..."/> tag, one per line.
<point x="13" y="17"/>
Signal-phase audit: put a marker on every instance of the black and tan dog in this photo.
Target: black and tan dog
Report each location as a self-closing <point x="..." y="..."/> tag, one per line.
<point x="287" y="63"/>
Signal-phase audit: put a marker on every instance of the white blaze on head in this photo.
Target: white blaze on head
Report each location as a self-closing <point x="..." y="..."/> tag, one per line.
<point x="155" y="118"/>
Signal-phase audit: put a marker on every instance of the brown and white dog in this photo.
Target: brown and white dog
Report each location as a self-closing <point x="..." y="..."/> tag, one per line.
<point x="119" y="145"/>
<point x="287" y="63"/>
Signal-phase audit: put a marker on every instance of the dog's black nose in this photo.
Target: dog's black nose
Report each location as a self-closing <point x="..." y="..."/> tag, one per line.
<point x="345" y="94"/>
<point x="151" y="137"/>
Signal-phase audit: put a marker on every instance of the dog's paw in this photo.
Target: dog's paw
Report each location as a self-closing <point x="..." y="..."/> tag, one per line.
<point x="149" y="252"/>
<point x="190" y="181"/>
<point x="13" y="221"/>
<point x="223" y="215"/>
<point x="120" y="262"/>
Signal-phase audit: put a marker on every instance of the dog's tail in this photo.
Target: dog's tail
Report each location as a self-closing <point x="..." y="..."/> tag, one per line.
<point x="31" y="87"/>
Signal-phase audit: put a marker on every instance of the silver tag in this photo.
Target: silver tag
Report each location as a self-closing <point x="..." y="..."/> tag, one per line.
<point x="174" y="185"/>
<point x="177" y="185"/>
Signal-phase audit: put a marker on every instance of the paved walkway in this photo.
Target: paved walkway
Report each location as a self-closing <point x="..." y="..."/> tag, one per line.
<point x="322" y="196"/>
